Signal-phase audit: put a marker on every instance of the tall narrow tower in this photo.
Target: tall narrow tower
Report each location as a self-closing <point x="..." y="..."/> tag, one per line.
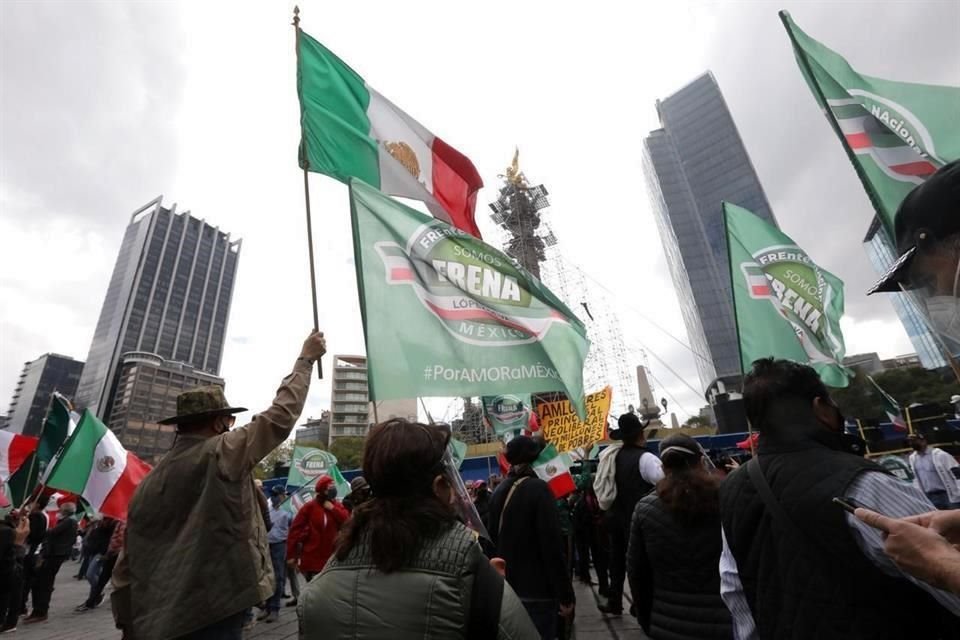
<point x="517" y="211"/>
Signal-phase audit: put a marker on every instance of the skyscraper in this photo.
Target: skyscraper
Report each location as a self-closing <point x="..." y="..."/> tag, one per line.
<point x="693" y="163"/>
<point x="882" y="254"/>
<point x="40" y="378"/>
<point x="169" y="295"/>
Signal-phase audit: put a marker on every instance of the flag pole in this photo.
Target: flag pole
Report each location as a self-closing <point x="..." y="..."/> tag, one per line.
<point x="306" y="197"/>
<point x="425" y="410"/>
<point x="33" y="461"/>
<point x="801" y="55"/>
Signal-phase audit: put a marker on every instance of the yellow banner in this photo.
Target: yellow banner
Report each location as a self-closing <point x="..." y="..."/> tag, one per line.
<point x="562" y="427"/>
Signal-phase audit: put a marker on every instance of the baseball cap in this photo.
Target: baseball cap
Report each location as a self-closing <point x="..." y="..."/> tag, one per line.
<point x="929" y="213"/>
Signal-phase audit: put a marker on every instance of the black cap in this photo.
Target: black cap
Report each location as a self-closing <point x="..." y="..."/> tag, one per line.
<point x="929" y="213"/>
<point x="523" y="450"/>
<point x="277" y="490"/>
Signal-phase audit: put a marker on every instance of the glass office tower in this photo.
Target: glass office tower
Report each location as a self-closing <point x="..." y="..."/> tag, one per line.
<point x="693" y="163"/>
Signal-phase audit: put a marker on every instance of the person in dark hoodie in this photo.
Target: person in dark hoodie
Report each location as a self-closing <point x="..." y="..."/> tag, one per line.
<point x="674" y="551"/>
<point x="525" y="526"/>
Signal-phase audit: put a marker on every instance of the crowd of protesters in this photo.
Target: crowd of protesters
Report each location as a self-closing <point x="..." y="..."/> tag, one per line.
<point x="806" y="539"/>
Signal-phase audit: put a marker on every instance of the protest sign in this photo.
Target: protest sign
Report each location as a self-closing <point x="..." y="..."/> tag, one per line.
<point x="566" y="431"/>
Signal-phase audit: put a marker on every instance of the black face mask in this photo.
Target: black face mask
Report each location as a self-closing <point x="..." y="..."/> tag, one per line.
<point x="331" y="492"/>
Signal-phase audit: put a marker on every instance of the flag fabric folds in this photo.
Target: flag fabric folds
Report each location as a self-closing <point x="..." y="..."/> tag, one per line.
<point x="554" y="468"/>
<point x="349" y="131"/>
<point x="785" y="305"/>
<point x="15" y="449"/>
<point x="446" y="315"/>
<point x="895" y="133"/>
<point x="94" y="465"/>
<point x="891" y="407"/>
<point x="59" y="424"/>
<point x="309" y="463"/>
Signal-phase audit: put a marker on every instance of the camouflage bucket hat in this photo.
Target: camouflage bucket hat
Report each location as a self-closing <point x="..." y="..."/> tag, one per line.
<point x="202" y="402"/>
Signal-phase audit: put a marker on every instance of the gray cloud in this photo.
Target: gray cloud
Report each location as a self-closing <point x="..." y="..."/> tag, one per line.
<point x="89" y="93"/>
<point x="810" y="183"/>
<point x="87" y="107"/>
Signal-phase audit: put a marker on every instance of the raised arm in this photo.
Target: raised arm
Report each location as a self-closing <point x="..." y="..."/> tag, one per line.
<point x="241" y="449"/>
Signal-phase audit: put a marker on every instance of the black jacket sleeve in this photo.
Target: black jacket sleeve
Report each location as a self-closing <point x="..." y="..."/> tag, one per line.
<point x="639" y="572"/>
<point x="551" y="542"/>
<point x="38" y="529"/>
<point x="60" y="539"/>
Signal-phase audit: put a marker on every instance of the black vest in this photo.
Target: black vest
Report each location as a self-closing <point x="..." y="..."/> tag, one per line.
<point x="630" y="484"/>
<point x="685" y="561"/>
<point x="817" y="584"/>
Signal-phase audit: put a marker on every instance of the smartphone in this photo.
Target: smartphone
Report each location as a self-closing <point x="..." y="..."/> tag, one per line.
<point x="847" y="504"/>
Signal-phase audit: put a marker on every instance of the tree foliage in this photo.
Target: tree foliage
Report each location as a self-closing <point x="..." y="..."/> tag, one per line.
<point x="281" y="455"/>
<point x="907" y="386"/>
<point x="349" y="452"/>
<point x="697" y="421"/>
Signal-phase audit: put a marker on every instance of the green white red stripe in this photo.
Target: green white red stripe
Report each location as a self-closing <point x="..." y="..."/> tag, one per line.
<point x="891" y="407"/>
<point x="94" y="465"/>
<point x="867" y="135"/>
<point x="349" y="130"/>
<point x="554" y="469"/>
<point x="14" y="451"/>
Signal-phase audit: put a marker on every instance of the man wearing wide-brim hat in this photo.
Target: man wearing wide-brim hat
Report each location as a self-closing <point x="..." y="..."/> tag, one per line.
<point x="927" y="233"/>
<point x="196" y="554"/>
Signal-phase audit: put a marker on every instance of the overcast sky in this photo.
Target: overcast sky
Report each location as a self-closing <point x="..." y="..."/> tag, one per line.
<point x="104" y="106"/>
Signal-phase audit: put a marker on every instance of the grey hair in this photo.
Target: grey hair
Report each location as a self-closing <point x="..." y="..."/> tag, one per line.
<point x="68" y="508"/>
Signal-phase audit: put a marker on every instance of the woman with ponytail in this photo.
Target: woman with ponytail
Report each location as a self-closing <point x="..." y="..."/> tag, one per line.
<point x="675" y="546"/>
<point x="404" y="566"/>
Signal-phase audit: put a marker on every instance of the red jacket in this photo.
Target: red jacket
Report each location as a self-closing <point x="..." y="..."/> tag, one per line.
<point x="313" y="532"/>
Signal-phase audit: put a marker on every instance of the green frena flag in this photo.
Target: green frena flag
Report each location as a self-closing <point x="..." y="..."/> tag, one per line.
<point x="786" y="306"/>
<point x="446" y="315"/>
<point x="58" y="425"/>
<point x="509" y="413"/>
<point x="895" y="133"/>
<point x="309" y="463"/>
<point x="307" y="466"/>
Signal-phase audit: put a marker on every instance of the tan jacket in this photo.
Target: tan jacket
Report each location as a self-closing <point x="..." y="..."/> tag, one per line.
<point x="196" y="548"/>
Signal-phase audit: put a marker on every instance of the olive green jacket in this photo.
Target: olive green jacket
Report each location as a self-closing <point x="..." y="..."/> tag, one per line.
<point x="429" y="600"/>
<point x="196" y="549"/>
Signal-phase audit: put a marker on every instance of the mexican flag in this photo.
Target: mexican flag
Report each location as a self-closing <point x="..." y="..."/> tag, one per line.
<point x="349" y="131"/>
<point x="786" y="306"/>
<point x="94" y="465"/>
<point x="891" y="407"/>
<point x="895" y="133"/>
<point x="59" y="424"/>
<point x="15" y="449"/>
<point x="554" y="469"/>
<point x="446" y="315"/>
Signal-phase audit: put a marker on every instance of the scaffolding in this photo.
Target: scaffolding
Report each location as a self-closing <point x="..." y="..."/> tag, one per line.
<point x="531" y="242"/>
